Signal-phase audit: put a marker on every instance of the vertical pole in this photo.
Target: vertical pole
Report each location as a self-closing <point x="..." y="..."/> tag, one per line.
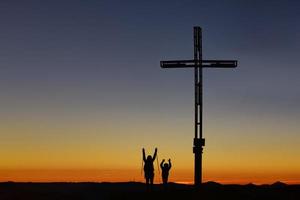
<point x="200" y="96"/>
<point x="196" y="79"/>
<point x="198" y="140"/>
<point x="195" y="149"/>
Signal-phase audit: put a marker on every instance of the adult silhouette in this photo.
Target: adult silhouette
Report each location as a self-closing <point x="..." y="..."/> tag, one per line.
<point x="165" y="168"/>
<point x="148" y="167"/>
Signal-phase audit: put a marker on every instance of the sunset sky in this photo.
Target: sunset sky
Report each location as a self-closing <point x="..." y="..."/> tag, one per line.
<point x="82" y="91"/>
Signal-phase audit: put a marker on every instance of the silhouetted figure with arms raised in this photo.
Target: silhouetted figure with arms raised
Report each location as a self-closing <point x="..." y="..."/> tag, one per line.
<point x="165" y="168"/>
<point x="148" y="167"/>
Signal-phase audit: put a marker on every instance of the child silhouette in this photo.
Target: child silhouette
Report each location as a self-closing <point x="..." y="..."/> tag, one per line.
<point x="165" y="168"/>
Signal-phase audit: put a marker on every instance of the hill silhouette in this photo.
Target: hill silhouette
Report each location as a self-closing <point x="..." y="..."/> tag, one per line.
<point x="135" y="190"/>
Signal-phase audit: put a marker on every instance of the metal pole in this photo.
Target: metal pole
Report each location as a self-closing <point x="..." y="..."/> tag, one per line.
<point x="195" y="149"/>
<point x="196" y="80"/>
<point x="198" y="141"/>
<point x="200" y="88"/>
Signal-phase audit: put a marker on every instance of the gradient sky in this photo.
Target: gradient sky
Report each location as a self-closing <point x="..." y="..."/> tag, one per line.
<point x="83" y="92"/>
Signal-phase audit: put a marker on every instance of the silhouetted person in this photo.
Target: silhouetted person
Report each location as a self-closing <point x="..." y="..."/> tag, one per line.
<point x="148" y="167"/>
<point x="165" y="168"/>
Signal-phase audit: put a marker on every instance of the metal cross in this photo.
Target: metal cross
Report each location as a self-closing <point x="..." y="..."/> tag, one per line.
<point x="198" y="64"/>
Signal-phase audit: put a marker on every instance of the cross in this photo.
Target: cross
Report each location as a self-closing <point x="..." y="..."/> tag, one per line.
<point x="198" y="64"/>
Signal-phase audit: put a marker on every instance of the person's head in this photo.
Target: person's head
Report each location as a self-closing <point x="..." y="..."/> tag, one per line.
<point x="166" y="165"/>
<point x="149" y="157"/>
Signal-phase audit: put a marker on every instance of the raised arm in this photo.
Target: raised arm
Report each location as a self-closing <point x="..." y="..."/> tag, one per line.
<point x="162" y="163"/>
<point x="144" y="155"/>
<point x="155" y="153"/>
<point x="170" y="165"/>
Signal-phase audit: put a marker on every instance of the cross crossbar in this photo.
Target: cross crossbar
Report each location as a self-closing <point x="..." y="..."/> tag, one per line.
<point x="193" y="63"/>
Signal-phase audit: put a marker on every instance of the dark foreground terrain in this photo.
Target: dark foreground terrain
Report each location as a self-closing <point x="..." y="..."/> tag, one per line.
<point x="132" y="190"/>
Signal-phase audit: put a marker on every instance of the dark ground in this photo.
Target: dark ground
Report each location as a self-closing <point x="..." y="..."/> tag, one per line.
<point x="132" y="190"/>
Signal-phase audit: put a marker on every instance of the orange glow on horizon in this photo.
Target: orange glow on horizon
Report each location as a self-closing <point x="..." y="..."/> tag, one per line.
<point x="79" y="152"/>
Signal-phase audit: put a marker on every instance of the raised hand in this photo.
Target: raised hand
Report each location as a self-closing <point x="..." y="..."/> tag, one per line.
<point x="144" y="155"/>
